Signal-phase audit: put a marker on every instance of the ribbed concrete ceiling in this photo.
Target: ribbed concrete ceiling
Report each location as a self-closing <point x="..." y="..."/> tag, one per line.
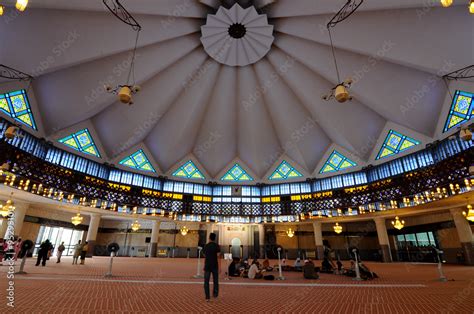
<point x="191" y="105"/>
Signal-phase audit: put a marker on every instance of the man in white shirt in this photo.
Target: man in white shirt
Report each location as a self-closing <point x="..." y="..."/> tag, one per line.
<point x="254" y="273"/>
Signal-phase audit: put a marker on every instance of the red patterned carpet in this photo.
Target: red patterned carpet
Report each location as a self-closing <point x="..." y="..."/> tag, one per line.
<point x="144" y="285"/>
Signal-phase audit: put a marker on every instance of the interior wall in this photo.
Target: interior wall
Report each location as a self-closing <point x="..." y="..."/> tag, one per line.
<point x="30" y="231"/>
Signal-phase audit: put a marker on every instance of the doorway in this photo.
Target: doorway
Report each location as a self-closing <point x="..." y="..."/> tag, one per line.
<point x="236" y="243"/>
<point x="57" y="235"/>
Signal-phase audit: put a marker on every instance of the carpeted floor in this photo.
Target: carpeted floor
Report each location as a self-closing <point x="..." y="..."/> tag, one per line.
<point x="141" y="285"/>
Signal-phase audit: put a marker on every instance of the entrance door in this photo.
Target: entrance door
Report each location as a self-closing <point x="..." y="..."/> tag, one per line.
<point x="236" y="247"/>
<point x="57" y="235"/>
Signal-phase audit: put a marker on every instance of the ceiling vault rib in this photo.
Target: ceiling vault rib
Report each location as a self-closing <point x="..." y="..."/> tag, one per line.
<point x="203" y="116"/>
<point x="383" y="58"/>
<point x="272" y="123"/>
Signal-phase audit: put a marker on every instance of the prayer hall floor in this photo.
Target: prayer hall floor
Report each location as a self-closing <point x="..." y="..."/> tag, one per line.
<point x="142" y="285"/>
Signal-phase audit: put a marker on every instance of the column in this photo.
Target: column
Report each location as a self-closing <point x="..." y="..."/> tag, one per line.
<point x="383" y="239"/>
<point x="465" y="234"/>
<point x="155" y="231"/>
<point x="210" y="229"/>
<point x="92" y="233"/>
<point x="20" y="212"/>
<point x="9" y="230"/>
<point x="261" y="240"/>
<point x="3" y="227"/>
<point x="318" y="239"/>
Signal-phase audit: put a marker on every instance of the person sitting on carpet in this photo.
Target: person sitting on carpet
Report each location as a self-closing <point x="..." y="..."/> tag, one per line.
<point x="266" y="265"/>
<point x="365" y="272"/>
<point x="254" y="272"/>
<point x="309" y="271"/>
<point x="233" y="271"/>
<point x="326" y="266"/>
<point x="298" y="265"/>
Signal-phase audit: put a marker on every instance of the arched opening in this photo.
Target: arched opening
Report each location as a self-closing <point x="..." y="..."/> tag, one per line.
<point x="235" y="250"/>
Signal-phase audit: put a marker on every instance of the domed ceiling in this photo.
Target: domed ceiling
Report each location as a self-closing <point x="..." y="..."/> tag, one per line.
<point x="255" y="105"/>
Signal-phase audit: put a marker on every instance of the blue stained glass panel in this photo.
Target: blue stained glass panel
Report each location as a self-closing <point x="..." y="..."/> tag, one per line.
<point x="16" y="105"/>
<point x="81" y="141"/>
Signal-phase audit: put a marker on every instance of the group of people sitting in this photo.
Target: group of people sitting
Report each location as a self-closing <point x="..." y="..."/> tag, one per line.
<point x="255" y="270"/>
<point x="329" y="266"/>
<point x="242" y="268"/>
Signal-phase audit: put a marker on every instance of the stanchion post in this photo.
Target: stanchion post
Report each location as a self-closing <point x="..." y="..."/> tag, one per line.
<point x="279" y="266"/>
<point x="442" y="277"/>
<point x="357" y="270"/>
<point x="109" y="272"/>
<point x="22" y="266"/>
<point x="198" y="273"/>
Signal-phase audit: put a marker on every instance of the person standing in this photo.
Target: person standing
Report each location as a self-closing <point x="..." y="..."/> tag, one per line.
<point x="43" y="253"/>
<point x="77" y="252"/>
<point x="84" y="250"/>
<point x="61" y="249"/>
<point x="212" y="265"/>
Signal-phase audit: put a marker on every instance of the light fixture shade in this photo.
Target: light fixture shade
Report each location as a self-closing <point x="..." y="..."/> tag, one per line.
<point x="125" y="94"/>
<point x="3" y="211"/>
<point x="446" y="3"/>
<point x="1" y="9"/>
<point x="337" y="228"/>
<point x="136" y="226"/>
<point x="398" y="224"/>
<point x="290" y="232"/>
<point x="341" y="94"/>
<point x="469" y="214"/>
<point x="21" y="5"/>
<point x="471" y="7"/>
<point x="76" y="220"/>
<point x="184" y="230"/>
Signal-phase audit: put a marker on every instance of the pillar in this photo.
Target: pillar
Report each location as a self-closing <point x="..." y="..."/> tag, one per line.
<point x="465" y="234"/>
<point x="210" y="229"/>
<point x="3" y="227"/>
<point x="155" y="231"/>
<point x="92" y="233"/>
<point x="318" y="239"/>
<point x="261" y="240"/>
<point x="383" y="239"/>
<point x="18" y="218"/>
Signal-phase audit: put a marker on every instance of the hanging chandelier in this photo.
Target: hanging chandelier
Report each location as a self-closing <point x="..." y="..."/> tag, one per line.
<point x="398" y="224"/>
<point x="184" y="230"/>
<point x="337" y="228"/>
<point x="469" y="214"/>
<point x="76" y="220"/>
<point x="126" y="91"/>
<point x="290" y="232"/>
<point x="448" y="3"/>
<point x="6" y="209"/>
<point x="21" y="5"/>
<point x="136" y="225"/>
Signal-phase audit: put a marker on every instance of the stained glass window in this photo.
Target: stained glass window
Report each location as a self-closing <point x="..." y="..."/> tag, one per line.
<point x="336" y="162"/>
<point x="188" y="170"/>
<point x="462" y="110"/>
<point x="139" y="161"/>
<point x="15" y="104"/>
<point x="236" y="173"/>
<point x="285" y="171"/>
<point x="81" y="141"/>
<point x="395" y="143"/>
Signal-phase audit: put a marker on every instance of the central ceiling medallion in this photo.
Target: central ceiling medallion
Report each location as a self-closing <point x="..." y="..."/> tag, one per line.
<point x="237" y="36"/>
